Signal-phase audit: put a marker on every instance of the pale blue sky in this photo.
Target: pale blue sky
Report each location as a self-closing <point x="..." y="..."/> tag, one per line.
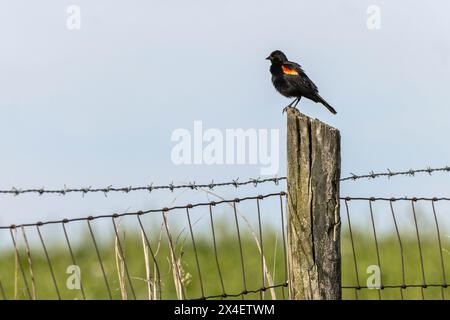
<point x="97" y="107"/>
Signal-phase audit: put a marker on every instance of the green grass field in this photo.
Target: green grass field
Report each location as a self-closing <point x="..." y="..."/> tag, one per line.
<point x="94" y="286"/>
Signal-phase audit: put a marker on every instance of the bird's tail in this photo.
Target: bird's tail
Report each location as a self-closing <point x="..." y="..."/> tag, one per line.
<point x="326" y="104"/>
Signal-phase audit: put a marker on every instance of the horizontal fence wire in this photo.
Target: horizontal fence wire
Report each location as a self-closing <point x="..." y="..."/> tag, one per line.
<point x="194" y="186"/>
<point x="141" y="212"/>
<point x="411" y="253"/>
<point x="182" y="269"/>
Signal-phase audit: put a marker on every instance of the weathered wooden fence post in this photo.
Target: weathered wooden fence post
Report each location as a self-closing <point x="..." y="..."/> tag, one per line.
<point x="313" y="157"/>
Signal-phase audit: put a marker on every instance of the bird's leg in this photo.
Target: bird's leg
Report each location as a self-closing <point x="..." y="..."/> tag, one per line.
<point x="290" y="104"/>
<point x="295" y="105"/>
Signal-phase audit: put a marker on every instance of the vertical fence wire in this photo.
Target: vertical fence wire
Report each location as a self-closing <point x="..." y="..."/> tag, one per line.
<point x="50" y="267"/>
<point x="244" y="283"/>
<point x="72" y="257"/>
<point x="283" y="228"/>
<point x="99" y="258"/>
<point x="424" y="283"/>
<point x="355" y="264"/>
<point x="263" y="271"/>
<point x="195" y="253"/>
<point x="19" y="262"/>
<point x="438" y="233"/>
<point x="402" y="257"/>
<point x="215" y="249"/>
<point x="30" y="262"/>
<point x="376" y="248"/>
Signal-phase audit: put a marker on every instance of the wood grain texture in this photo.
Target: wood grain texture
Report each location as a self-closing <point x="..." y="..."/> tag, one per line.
<point x="313" y="158"/>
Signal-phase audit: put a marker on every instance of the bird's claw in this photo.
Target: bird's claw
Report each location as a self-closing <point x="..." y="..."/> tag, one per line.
<point x="287" y="108"/>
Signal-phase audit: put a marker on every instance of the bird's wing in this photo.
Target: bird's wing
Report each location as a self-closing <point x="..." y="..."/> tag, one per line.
<point x="299" y="76"/>
<point x="292" y="68"/>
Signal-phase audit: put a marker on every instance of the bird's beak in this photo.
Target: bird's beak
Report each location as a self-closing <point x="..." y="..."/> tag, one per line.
<point x="268" y="58"/>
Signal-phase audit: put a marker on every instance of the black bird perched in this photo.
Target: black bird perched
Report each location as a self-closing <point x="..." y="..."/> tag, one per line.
<point x="291" y="81"/>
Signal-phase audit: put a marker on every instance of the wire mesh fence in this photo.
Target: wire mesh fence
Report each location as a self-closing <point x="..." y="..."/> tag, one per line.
<point x="182" y="258"/>
<point x="392" y="248"/>
<point x="404" y="244"/>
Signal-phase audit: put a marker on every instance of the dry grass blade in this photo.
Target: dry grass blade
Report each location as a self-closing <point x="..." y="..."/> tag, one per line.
<point x="275" y="257"/>
<point x="155" y="266"/>
<point x="174" y="262"/>
<point x="16" y="266"/>
<point x="120" y="269"/>
<point x="2" y="291"/>
<point x="148" y="273"/>
<point x="30" y="264"/>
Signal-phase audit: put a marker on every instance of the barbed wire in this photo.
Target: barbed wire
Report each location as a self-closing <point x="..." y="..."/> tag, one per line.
<point x="194" y="186"/>
<point x="397" y="198"/>
<point x="388" y="173"/>
<point x="172" y="187"/>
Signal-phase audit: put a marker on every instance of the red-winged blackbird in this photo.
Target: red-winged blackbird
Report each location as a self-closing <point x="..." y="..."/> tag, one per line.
<point x="291" y="81"/>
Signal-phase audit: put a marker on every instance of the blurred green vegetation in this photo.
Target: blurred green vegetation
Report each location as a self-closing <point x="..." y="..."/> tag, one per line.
<point x="230" y="266"/>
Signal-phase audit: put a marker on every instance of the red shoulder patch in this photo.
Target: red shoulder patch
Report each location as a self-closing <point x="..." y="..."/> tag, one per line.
<point x="287" y="70"/>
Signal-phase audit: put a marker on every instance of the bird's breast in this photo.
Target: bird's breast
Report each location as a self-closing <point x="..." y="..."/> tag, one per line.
<point x="282" y="86"/>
